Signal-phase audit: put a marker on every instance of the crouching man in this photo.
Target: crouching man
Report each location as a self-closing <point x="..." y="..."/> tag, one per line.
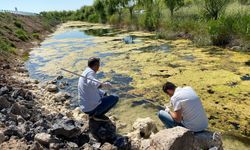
<point x="94" y="101"/>
<point x="187" y="109"/>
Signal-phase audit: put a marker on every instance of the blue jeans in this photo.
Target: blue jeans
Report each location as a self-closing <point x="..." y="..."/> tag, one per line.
<point x="167" y="119"/>
<point x="107" y="102"/>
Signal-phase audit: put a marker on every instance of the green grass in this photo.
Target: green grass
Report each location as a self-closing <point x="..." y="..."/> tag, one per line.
<point x="18" y="24"/>
<point x="6" y="46"/>
<point x="36" y="36"/>
<point x="22" y="35"/>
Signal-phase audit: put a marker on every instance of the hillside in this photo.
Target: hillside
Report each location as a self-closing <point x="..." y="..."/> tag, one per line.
<point x="17" y="32"/>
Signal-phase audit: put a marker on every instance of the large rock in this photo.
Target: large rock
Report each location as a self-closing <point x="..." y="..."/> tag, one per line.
<point x="66" y="128"/>
<point x="52" y="88"/>
<point x="4" y="90"/>
<point x="12" y="130"/>
<point x="20" y="110"/>
<point x="182" y="138"/>
<point x="4" y="103"/>
<point x="103" y="131"/>
<point x="45" y="139"/>
<point x="17" y="93"/>
<point x="207" y="140"/>
<point x="61" y="96"/>
<point x="145" y="126"/>
<point x="172" y="139"/>
<point x="2" y="137"/>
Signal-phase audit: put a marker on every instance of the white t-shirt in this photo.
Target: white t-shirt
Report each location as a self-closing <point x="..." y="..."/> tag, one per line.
<point x="88" y="91"/>
<point x="193" y="114"/>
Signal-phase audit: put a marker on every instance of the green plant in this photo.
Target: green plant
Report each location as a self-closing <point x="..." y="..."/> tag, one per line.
<point x="22" y="35"/>
<point x="6" y="46"/>
<point x="244" y="2"/>
<point x="93" y="18"/>
<point x="36" y="36"/>
<point x="100" y="9"/>
<point x="174" y="5"/>
<point x="18" y="24"/>
<point x="220" y="32"/>
<point x="213" y="9"/>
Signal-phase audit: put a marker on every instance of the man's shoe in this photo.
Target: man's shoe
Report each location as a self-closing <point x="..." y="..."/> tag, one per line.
<point x="101" y="118"/>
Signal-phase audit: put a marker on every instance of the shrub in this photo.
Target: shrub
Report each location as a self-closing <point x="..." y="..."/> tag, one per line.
<point x="6" y="46"/>
<point x="220" y="32"/>
<point x="214" y="8"/>
<point x="18" y="24"/>
<point x="36" y="36"/>
<point x="93" y="18"/>
<point x="22" y="35"/>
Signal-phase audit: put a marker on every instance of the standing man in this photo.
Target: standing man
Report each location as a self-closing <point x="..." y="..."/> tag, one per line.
<point x="94" y="101"/>
<point x="187" y="109"/>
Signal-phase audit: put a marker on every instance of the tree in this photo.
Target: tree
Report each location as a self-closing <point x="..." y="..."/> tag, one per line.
<point x="174" y="5"/>
<point x="100" y="9"/>
<point x="111" y="6"/>
<point x="130" y="4"/>
<point x="214" y="8"/>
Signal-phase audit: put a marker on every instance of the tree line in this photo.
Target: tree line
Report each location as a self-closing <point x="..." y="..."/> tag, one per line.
<point x="169" y="16"/>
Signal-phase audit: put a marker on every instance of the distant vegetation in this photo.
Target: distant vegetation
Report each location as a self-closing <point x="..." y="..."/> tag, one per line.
<point x="206" y="22"/>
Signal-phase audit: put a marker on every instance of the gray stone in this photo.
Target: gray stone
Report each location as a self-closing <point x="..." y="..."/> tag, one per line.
<point x="20" y="119"/>
<point x="122" y="142"/>
<point x="21" y="70"/>
<point x="12" y="130"/>
<point x="17" y="93"/>
<point x="182" y="138"/>
<point x="61" y="96"/>
<point x="36" y="82"/>
<point x="4" y="90"/>
<point x="45" y="139"/>
<point x="6" y="66"/>
<point x="145" y="144"/>
<point x="103" y="131"/>
<point x="207" y="140"/>
<point x="2" y="137"/>
<point x="145" y="127"/>
<point x="36" y="146"/>
<point x="29" y="96"/>
<point x="59" y="77"/>
<point x="65" y="128"/>
<point x="72" y="145"/>
<point x="52" y="88"/>
<point x="21" y="110"/>
<point x="108" y="146"/>
<point x="172" y="139"/>
<point x="87" y="146"/>
<point x="4" y="103"/>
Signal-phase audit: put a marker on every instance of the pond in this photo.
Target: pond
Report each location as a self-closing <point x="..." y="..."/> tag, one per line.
<point x="220" y="77"/>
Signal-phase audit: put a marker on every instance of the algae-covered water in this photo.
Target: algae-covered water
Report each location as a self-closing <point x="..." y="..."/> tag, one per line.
<point x="138" y="64"/>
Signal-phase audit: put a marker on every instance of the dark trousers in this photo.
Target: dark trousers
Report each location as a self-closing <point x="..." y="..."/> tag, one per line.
<point x="107" y="103"/>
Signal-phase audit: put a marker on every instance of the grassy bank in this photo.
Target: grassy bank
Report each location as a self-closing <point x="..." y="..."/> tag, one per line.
<point x="191" y="19"/>
<point x="17" y="32"/>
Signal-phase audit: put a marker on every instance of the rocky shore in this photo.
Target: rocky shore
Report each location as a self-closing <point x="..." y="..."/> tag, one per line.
<point x="36" y="116"/>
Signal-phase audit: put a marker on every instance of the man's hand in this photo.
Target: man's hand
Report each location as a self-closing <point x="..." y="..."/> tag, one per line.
<point x="106" y="85"/>
<point x="167" y="109"/>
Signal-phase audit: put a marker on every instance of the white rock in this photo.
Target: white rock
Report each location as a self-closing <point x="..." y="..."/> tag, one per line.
<point x="145" y="127"/>
<point x="52" y="88"/>
<point x="44" y="138"/>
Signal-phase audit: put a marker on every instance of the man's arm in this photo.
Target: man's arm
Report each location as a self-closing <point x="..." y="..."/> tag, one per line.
<point x="176" y="115"/>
